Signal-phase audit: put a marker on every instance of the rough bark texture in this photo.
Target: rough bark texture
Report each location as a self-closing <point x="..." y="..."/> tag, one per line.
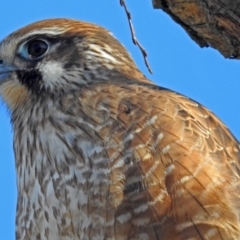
<point x="214" y="23"/>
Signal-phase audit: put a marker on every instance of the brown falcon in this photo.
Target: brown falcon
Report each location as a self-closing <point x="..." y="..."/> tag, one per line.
<point x="102" y="153"/>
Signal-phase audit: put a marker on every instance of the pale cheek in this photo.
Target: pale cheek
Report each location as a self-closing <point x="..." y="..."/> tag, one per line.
<point x="51" y="73"/>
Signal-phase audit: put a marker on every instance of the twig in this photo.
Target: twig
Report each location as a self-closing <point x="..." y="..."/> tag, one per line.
<point x="134" y="38"/>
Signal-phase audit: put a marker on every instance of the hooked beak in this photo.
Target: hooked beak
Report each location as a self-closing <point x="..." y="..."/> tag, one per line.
<point x="5" y="70"/>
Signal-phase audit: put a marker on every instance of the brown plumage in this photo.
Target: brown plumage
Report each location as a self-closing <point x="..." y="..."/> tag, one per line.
<point x="103" y="153"/>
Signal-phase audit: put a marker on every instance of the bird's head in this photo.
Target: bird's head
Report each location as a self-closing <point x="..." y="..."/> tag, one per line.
<point x="56" y="56"/>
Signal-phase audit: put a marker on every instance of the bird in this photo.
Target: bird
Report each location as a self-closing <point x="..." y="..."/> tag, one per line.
<point x="103" y="153"/>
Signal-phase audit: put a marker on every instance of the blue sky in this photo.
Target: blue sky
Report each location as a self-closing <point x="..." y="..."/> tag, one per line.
<point x="177" y="63"/>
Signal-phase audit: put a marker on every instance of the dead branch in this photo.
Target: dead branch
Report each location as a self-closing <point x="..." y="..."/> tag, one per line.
<point x="134" y="38"/>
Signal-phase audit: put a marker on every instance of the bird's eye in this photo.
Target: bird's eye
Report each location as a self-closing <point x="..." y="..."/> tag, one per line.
<point x="37" y="48"/>
<point x="34" y="49"/>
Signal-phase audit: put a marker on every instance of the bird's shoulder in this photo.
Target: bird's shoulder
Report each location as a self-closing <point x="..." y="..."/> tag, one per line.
<point x="145" y="101"/>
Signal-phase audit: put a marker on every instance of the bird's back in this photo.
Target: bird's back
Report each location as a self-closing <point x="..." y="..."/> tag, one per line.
<point x="176" y="164"/>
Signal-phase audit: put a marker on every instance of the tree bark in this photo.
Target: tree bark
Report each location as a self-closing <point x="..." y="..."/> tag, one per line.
<point x="214" y="23"/>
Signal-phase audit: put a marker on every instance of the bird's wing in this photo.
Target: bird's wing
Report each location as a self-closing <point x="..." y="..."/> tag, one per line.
<point x="174" y="164"/>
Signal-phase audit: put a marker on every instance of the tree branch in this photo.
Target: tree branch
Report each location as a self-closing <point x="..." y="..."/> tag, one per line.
<point x="134" y="38"/>
<point x="210" y="23"/>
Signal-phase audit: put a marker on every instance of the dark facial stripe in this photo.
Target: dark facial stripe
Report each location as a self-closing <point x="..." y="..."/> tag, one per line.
<point x="32" y="79"/>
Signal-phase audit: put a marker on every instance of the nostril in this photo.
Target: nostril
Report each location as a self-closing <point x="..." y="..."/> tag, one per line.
<point x="1" y="61"/>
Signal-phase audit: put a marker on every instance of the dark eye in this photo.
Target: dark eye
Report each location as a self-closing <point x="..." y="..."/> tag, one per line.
<point x="37" y="48"/>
